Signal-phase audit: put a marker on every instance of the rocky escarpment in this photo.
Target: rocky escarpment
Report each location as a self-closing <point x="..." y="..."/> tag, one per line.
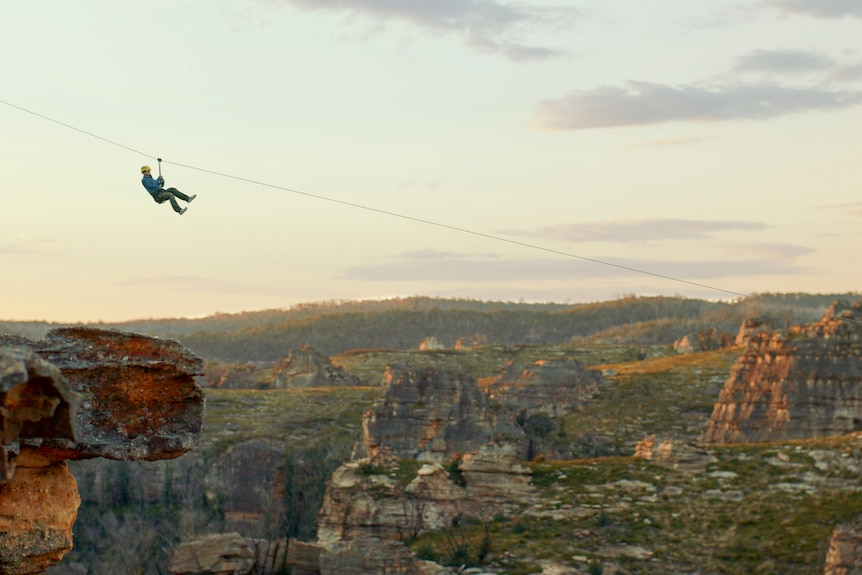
<point x="77" y="394"/>
<point x="805" y="384"/>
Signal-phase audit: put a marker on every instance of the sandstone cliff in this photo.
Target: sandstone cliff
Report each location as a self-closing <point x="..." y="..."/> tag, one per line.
<point x="805" y="384"/>
<point x="77" y="394"/>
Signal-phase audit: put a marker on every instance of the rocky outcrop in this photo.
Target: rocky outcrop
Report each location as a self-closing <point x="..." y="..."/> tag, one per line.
<point x="77" y="394"/>
<point x="430" y="343"/>
<point x="372" y="505"/>
<point x="684" y="345"/>
<point x="38" y="507"/>
<point x="553" y="387"/>
<point x="750" y="327"/>
<point x="844" y="556"/>
<point x="673" y="454"/>
<point x="803" y="385"/>
<point x="434" y="416"/>
<point x="228" y="554"/>
<point x="305" y="367"/>
<point x="367" y="513"/>
<point x="139" y="397"/>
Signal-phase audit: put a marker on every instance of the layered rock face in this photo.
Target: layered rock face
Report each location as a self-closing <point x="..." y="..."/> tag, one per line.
<point x="553" y="387"/>
<point x="804" y="385"/>
<point x="77" y="394"/>
<point x="433" y="416"/>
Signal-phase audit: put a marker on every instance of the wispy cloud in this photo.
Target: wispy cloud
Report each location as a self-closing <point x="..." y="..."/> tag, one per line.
<point x="467" y="268"/>
<point x="485" y="25"/>
<point x="783" y="62"/>
<point x="648" y="103"/>
<point x="637" y="231"/>
<point x="820" y="8"/>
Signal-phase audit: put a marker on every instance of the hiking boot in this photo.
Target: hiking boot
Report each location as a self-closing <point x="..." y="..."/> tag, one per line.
<point x="192" y="197"/>
<point x="182" y="211"/>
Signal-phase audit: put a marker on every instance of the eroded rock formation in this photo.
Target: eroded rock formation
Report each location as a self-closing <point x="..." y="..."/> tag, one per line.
<point x="77" y="394"/>
<point x="805" y="384"/>
<point x="552" y="387"/>
<point x="433" y="416"/>
<point x="844" y="556"/>
<point x="305" y="367"/>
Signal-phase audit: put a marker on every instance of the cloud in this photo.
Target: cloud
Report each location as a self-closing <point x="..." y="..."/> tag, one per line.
<point x="636" y="231"/>
<point x="820" y="8"/>
<point x="485" y="25"/>
<point x="783" y="62"/>
<point x="768" y="251"/>
<point x="467" y="268"/>
<point x="643" y="103"/>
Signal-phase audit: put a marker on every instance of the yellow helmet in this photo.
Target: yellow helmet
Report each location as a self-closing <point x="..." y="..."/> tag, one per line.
<point x="145" y="169"/>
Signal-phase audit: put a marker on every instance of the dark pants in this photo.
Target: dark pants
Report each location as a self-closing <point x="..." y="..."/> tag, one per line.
<point x="170" y="195"/>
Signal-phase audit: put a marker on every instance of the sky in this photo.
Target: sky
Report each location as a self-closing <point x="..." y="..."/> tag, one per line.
<point x="537" y="151"/>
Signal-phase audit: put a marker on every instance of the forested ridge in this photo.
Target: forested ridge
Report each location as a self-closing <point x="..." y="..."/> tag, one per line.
<point x="402" y="323"/>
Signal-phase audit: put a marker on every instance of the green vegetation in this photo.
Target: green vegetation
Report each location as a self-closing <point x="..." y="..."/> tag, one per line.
<point x="401" y="323"/>
<point x="766" y="509"/>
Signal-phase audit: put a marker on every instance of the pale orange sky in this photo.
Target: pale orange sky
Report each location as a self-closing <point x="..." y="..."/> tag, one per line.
<point x="713" y="142"/>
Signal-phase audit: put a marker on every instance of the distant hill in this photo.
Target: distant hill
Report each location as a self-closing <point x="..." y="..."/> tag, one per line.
<point x="402" y="323"/>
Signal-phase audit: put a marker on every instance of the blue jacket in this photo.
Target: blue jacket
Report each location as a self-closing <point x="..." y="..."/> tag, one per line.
<point x="152" y="184"/>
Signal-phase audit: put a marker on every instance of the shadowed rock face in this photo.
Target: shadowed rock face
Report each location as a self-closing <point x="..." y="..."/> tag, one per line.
<point x="803" y="385"/>
<point x="36" y="402"/>
<point x="77" y="394"/>
<point x="432" y="415"/>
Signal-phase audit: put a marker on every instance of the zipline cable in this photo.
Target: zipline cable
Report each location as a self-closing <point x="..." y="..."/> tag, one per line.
<point x="385" y="212"/>
<point x="454" y="228"/>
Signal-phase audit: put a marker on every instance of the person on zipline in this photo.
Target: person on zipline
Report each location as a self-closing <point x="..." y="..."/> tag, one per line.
<point x="155" y="186"/>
